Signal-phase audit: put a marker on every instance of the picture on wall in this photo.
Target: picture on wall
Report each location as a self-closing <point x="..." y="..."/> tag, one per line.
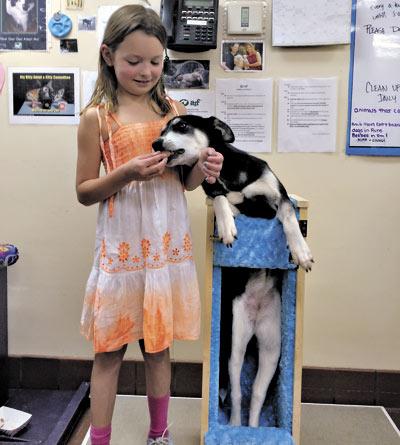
<point x="69" y="45"/>
<point x="87" y="23"/>
<point x="74" y="4"/>
<point x="43" y="95"/>
<point x="187" y="74"/>
<point x="23" y="25"/>
<point x="242" y="56"/>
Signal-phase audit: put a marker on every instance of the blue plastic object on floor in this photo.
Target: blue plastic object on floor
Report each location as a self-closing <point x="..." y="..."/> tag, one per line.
<point x="8" y="255"/>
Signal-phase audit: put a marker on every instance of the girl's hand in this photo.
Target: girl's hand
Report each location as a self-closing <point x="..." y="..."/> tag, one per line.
<point x="146" y="167"/>
<point x="210" y="162"/>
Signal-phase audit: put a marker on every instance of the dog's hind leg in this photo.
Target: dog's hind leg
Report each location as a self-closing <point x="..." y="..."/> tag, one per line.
<point x="268" y="333"/>
<point x="242" y="331"/>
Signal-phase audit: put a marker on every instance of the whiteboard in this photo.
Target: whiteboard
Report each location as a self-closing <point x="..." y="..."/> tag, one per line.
<point x="374" y="81"/>
<point x="310" y="22"/>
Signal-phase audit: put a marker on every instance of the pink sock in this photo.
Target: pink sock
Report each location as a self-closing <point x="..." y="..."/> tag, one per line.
<point x="100" y="435"/>
<point x="158" y="409"/>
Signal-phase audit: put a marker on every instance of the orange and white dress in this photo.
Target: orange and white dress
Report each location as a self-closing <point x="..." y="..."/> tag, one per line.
<point x="143" y="282"/>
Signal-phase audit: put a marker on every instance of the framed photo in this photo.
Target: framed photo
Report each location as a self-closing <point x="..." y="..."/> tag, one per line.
<point x="69" y="45"/>
<point x="242" y="56"/>
<point x="187" y="74"/>
<point x="43" y="95"/>
<point x="23" y="25"/>
<point x="87" y="23"/>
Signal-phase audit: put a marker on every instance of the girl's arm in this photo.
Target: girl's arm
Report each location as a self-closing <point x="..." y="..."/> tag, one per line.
<point x="90" y="186"/>
<point x="206" y="168"/>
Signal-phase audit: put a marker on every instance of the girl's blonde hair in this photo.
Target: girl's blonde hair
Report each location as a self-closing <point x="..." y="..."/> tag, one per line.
<point x="121" y="23"/>
<point x="251" y="46"/>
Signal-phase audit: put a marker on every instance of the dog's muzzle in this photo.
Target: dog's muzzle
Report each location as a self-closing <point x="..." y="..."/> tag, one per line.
<point x="158" y="145"/>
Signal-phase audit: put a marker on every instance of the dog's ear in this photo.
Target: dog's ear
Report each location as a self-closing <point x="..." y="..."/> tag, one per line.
<point x="224" y="129"/>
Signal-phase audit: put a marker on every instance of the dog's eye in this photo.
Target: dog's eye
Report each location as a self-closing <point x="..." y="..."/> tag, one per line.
<point x="181" y="126"/>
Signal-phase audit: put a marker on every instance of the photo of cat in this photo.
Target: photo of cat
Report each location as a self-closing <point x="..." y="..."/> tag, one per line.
<point x="44" y="96"/>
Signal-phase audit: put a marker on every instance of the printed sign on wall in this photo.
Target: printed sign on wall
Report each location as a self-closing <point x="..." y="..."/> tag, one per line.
<point x="374" y="85"/>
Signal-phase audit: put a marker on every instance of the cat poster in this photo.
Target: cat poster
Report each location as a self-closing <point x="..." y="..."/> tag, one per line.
<point x="44" y="95"/>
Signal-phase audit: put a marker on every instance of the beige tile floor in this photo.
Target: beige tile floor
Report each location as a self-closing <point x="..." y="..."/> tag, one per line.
<point x="320" y="424"/>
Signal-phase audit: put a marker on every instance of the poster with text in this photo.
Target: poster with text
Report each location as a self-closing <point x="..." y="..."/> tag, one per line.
<point x="23" y="25"/>
<point x="307" y="116"/>
<point x="374" y="84"/>
<point x="43" y="95"/>
<point x="246" y="106"/>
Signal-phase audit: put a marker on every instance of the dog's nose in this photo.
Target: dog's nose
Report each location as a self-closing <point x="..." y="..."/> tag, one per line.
<point x="158" y="145"/>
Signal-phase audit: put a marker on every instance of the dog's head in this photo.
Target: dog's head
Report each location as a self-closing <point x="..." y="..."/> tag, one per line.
<point x="184" y="136"/>
<point x="23" y="5"/>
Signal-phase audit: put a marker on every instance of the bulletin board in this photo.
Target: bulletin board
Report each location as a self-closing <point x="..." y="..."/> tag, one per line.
<point x="374" y="81"/>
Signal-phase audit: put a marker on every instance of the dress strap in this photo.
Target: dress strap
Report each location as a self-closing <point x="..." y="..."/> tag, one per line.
<point x="113" y="116"/>
<point x="109" y="160"/>
<point x="173" y="106"/>
<point x="101" y="140"/>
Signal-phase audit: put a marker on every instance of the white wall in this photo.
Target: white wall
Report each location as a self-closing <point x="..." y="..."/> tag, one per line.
<point x="352" y="300"/>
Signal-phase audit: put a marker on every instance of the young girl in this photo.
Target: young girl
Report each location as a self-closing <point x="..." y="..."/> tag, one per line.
<point x="143" y="283"/>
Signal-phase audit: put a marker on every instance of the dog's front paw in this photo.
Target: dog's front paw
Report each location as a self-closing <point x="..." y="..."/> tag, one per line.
<point x="225" y="221"/>
<point x="227" y="232"/>
<point x="302" y="255"/>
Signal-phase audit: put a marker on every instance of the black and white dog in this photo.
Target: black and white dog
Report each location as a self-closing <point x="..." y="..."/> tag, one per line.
<point x="246" y="185"/>
<point x="20" y="11"/>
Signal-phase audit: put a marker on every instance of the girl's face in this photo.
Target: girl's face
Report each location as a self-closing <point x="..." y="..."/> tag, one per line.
<point x="137" y="62"/>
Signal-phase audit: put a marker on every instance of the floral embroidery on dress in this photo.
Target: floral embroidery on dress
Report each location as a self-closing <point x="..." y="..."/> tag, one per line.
<point x="148" y="257"/>
<point x="187" y="243"/>
<point x="166" y="242"/>
<point x="145" y="247"/>
<point x="123" y="251"/>
<point x="103" y="249"/>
